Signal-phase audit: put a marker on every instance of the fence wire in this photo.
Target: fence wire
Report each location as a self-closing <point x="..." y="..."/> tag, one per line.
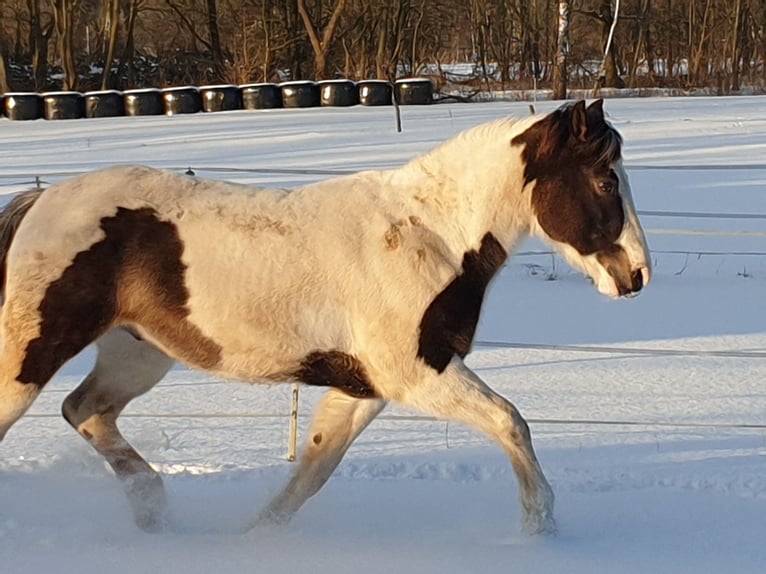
<point x="427" y="419"/>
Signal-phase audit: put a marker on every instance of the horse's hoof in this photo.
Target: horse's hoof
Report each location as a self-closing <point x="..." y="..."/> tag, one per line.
<point x="270" y="518"/>
<point x="151" y="523"/>
<point x="541" y="525"/>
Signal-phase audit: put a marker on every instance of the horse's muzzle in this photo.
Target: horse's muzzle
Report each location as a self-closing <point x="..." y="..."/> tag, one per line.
<point x="629" y="280"/>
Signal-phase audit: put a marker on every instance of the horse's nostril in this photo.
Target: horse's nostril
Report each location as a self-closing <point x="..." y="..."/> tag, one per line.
<point x="637" y="280"/>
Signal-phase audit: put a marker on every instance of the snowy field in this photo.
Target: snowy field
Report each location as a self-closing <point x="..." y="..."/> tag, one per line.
<point x="684" y="491"/>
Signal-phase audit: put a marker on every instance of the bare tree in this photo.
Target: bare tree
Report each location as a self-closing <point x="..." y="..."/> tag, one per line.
<point x="215" y="35"/>
<point x="736" y="45"/>
<point x="4" y="83"/>
<point x="130" y="15"/>
<point x="611" y="76"/>
<point x="562" y="52"/>
<point x="63" y="12"/>
<point x="40" y="30"/>
<point x="697" y="49"/>
<point x="315" y="28"/>
<point x="112" y="24"/>
<point x="657" y="42"/>
<point x="643" y="43"/>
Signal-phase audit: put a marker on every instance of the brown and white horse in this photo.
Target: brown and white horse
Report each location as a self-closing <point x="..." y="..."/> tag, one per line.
<point x="370" y="284"/>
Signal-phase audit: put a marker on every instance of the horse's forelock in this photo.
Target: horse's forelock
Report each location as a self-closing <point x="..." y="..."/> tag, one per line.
<point x="604" y="143"/>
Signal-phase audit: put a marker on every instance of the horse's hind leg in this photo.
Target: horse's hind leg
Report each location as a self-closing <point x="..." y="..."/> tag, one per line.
<point x="28" y="360"/>
<point x="15" y="396"/>
<point x="460" y="395"/>
<point x="125" y="368"/>
<point x="338" y="420"/>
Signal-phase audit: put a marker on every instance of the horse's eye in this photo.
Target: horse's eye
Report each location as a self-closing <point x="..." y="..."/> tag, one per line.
<point x="607" y="187"/>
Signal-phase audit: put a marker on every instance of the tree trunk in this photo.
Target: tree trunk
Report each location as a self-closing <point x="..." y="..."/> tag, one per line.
<point x="562" y="52"/>
<point x="694" y="75"/>
<point x="267" y="50"/>
<point x="612" y="77"/>
<point x="128" y="52"/>
<point x="643" y="44"/>
<point x="526" y="62"/>
<point x="321" y="46"/>
<point x="63" y="11"/>
<point x="113" y="18"/>
<point x="736" y="49"/>
<point x="4" y="84"/>
<point x="215" y="37"/>
<point x="381" y="66"/>
<point x="39" y="36"/>
<point x="649" y="41"/>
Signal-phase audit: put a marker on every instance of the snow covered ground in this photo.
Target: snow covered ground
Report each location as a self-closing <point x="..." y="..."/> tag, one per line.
<point x="422" y="496"/>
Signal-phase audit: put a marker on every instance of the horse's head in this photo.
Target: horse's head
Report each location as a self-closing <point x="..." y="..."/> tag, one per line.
<point x="580" y="197"/>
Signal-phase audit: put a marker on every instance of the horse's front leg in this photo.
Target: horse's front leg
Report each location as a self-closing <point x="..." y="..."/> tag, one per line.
<point x="338" y="420"/>
<point x="458" y="394"/>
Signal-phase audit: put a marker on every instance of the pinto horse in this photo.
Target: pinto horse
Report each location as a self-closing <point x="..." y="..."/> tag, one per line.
<point x="369" y="284"/>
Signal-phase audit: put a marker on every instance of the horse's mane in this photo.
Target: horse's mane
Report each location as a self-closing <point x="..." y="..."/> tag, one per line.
<point x="603" y="142"/>
<point x="470" y="140"/>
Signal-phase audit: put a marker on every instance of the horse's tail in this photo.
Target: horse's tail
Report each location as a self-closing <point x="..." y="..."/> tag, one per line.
<point x="10" y="219"/>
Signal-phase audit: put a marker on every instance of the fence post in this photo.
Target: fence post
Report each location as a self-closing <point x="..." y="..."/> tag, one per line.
<point x="293" y="444"/>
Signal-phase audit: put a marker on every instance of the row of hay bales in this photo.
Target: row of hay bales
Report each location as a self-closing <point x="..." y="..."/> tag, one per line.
<point x="191" y="99"/>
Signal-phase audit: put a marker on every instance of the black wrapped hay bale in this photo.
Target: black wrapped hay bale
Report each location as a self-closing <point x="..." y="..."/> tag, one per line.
<point x="300" y="94"/>
<point x="414" y="91"/>
<point x="104" y="104"/>
<point x="374" y="92"/>
<point x="261" y="96"/>
<point x="181" y="100"/>
<point x="63" y="106"/>
<point x="23" y="105"/>
<point x="338" y="93"/>
<point x="144" y="102"/>
<point x="220" y="98"/>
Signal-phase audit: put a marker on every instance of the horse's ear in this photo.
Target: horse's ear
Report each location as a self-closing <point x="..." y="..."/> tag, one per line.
<point x="596" y="111"/>
<point x="579" y="121"/>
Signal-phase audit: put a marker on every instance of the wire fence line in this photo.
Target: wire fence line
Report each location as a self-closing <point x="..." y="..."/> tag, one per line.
<point x="428" y="419"/>
<point x="600" y="425"/>
<point x="565" y="348"/>
<point x="42" y="179"/>
<point x="723" y="354"/>
<point x="341" y="171"/>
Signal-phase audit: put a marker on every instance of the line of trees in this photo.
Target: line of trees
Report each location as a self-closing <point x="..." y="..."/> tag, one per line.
<point x="87" y="44"/>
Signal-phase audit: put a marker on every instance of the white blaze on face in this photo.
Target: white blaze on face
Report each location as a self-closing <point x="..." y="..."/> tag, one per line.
<point x="631" y="240"/>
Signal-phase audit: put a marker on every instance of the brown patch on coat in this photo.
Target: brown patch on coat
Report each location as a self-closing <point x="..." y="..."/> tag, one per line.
<point x="415" y="220"/>
<point x="317" y="438"/>
<point x="449" y="323"/>
<point x="259" y="223"/>
<point x="576" y="197"/>
<point x="393" y="237"/>
<point x="338" y="370"/>
<point x="134" y="275"/>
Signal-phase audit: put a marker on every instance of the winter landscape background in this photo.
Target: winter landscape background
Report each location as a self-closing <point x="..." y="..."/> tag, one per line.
<point x="683" y="491"/>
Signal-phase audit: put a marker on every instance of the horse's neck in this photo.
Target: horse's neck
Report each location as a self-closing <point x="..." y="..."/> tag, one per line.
<point x="473" y="187"/>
